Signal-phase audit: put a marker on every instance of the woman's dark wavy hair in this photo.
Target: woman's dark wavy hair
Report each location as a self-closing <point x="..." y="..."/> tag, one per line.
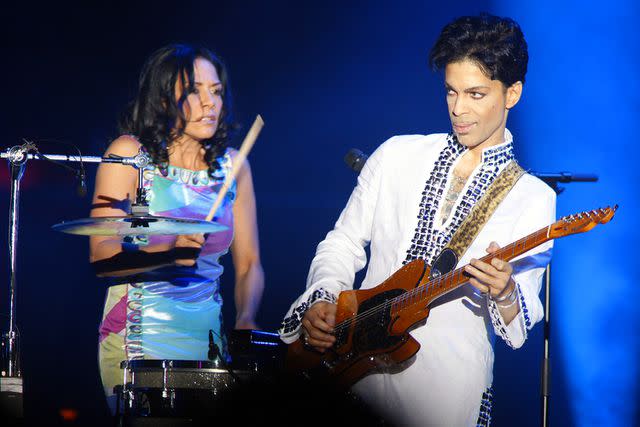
<point x="496" y="44"/>
<point x="156" y="117"/>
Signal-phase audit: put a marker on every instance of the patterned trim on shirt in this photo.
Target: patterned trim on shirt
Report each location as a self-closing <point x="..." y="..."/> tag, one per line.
<point x="498" y="322"/>
<point x="524" y="311"/>
<point x="484" y="415"/>
<point x="427" y="242"/>
<point x="292" y="323"/>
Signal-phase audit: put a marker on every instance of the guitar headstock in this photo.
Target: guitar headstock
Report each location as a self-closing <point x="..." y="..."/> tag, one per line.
<point x="581" y="222"/>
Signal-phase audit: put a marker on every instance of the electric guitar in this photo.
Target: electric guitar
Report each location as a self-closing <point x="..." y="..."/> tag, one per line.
<point x="372" y="325"/>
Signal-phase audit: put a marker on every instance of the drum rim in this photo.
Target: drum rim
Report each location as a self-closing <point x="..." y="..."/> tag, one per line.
<point x="171" y="364"/>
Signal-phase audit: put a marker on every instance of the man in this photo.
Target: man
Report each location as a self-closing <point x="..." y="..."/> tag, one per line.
<point x="412" y="195"/>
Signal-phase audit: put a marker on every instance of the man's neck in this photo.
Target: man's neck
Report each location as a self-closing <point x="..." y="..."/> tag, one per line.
<point x="472" y="158"/>
<point x="467" y="163"/>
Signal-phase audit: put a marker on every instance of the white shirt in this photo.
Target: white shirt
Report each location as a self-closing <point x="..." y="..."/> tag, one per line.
<point x="444" y="383"/>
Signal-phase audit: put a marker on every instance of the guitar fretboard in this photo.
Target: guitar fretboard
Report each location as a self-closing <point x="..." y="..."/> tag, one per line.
<point x="424" y="294"/>
<point x="437" y="287"/>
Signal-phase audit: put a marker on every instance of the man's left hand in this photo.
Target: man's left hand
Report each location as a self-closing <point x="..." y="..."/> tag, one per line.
<point x="494" y="278"/>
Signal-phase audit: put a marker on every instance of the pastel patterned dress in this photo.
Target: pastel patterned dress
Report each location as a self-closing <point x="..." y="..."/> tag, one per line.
<point x="167" y="313"/>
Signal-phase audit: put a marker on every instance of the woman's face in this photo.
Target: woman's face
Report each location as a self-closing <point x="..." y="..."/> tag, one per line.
<point x="203" y="106"/>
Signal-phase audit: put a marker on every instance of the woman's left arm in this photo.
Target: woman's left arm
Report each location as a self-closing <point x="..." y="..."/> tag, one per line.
<point x="246" y="252"/>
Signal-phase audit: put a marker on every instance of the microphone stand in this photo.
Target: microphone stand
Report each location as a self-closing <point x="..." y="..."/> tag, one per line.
<point x="17" y="156"/>
<point x="552" y="179"/>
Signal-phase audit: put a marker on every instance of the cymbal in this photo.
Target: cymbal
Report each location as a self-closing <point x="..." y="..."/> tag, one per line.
<point x="137" y="225"/>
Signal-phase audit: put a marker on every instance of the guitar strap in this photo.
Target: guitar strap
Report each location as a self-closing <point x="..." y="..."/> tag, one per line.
<point x="477" y="218"/>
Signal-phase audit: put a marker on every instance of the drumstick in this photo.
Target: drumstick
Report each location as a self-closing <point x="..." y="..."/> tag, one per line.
<point x="248" y="142"/>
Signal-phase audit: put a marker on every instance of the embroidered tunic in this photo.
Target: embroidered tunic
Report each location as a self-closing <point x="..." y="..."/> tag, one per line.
<point x="167" y="313"/>
<point x="395" y="208"/>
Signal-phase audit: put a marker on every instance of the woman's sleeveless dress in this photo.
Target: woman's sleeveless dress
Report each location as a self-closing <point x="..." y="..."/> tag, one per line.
<point x="167" y="313"/>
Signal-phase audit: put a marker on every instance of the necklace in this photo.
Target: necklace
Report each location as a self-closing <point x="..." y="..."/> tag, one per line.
<point x="457" y="184"/>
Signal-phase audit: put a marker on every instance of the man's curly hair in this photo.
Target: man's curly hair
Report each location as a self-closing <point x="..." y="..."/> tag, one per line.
<point x="495" y="44"/>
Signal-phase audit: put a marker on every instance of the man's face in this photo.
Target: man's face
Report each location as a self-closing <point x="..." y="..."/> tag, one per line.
<point x="478" y="106"/>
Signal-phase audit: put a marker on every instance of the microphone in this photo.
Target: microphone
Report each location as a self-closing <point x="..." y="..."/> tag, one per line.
<point x="566" y="177"/>
<point x="355" y="159"/>
<point x="81" y="189"/>
<point x="214" y="351"/>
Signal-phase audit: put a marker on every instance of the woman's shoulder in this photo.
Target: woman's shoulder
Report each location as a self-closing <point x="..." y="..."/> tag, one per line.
<point x="124" y="145"/>
<point x="231" y="152"/>
<point x="230" y="157"/>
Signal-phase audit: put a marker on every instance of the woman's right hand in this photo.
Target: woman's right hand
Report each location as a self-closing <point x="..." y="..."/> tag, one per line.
<point x="186" y="248"/>
<point x="317" y="326"/>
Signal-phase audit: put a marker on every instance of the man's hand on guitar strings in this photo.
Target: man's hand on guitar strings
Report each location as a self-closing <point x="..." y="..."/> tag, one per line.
<point x="495" y="278"/>
<point x="317" y="326"/>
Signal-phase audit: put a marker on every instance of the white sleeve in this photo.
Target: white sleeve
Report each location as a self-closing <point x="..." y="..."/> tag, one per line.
<point x="528" y="271"/>
<point x="341" y="254"/>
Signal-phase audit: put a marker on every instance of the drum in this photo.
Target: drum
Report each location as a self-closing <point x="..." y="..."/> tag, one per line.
<point x="175" y="388"/>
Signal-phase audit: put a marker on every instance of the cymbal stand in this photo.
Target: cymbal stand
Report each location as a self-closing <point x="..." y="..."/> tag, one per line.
<point x="140" y="207"/>
<point x="17" y="156"/>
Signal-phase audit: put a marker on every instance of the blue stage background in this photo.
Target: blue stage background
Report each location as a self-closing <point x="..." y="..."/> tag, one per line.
<point x="326" y="77"/>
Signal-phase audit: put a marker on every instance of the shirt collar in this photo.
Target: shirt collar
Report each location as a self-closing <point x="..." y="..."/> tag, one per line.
<point x="495" y="153"/>
<point x="503" y="151"/>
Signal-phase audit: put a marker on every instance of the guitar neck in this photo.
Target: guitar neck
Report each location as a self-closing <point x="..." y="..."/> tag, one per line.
<point x="437" y="287"/>
<point x="425" y="293"/>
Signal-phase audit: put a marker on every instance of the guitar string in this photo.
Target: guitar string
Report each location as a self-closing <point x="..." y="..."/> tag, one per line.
<point x="401" y="299"/>
<point x="425" y="288"/>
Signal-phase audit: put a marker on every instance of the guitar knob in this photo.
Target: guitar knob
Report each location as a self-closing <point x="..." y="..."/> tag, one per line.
<point x="326" y="364"/>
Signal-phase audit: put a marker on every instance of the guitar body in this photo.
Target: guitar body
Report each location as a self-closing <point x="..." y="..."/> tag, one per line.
<point x="378" y="339"/>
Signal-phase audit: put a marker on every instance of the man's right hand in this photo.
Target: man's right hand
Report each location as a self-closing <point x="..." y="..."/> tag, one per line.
<point x="317" y="326"/>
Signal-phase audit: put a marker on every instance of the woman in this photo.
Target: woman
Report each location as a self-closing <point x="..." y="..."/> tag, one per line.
<point x="166" y="298"/>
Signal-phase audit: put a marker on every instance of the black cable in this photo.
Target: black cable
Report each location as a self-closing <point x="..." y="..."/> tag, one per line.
<point x="79" y="173"/>
<point x="225" y="365"/>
